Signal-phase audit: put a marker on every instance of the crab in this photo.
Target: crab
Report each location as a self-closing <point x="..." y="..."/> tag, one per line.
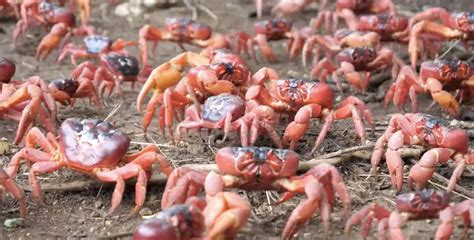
<point x="181" y="30"/>
<point x="14" y="189"/>
<point x="67" y="90"/>
<point x="352" y="62"/>
<point x="413" y="206"/>
<point x="24" y="101"/>
<point x="391" y="28"/>
<point x="454" y="26"/>
<point x="92" y="147"/>
<point x="223" y="72"/>
<point x="262" y="168"/>
<point x="271" y="30"/>
<point x="228" y="112"/>
<point x="61" y="21"/>
<point x="217" y="218"/>
<point x="113" y="70"/>
<point x="331" y="45"/>
<point x="304" y="100"/>
<point x="444" y="142"/>
<point x="94" y="47"/>
<point x="439" y="77"/>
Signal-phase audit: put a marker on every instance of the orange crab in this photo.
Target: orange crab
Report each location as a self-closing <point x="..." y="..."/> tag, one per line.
<point x="93" y="147"/>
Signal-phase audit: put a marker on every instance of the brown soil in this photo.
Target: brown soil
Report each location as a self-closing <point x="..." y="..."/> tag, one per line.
<point x="82" y="214"/>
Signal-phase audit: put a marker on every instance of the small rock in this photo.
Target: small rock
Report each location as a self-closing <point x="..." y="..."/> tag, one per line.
<point x="13" y="222"/>
<point x="98" y="204"/>
<point x="145" y="212"/>
<point x="92" y="229"/>
<point x="108" y="222"/>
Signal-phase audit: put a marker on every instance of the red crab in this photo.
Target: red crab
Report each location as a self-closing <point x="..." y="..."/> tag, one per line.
<point x="67" y="90"/>
<point x="444" y="141"/>
<point x="15" y="190"/>
<point x="353" y="8"/>
<point x="62" y="22"/>
<point x="114" y="69"/>
<point x="24" y="101"/>
<point x="181" y="30"/>
<point x="420" y="205"/>
<point x="262" y="168"/>
<point x="304" y="100"/>
<point x="223" y="72"/>
<point x="93" y="147"/>
<point x="457" y="25"/>
<point x="94" y="47"/>
<point x="390" y="27"/>
<point x="331" y="45"/>
<point x="228" y="112"/>
<point x="217" y="218"/>
<point x="439" y="77"/>
<point x="352" y="62"/>
<point x="271" y="30"/>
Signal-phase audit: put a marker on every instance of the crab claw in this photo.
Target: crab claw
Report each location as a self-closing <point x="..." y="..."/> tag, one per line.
<point x="52" y="40"/>
<point x="225" y="214"/>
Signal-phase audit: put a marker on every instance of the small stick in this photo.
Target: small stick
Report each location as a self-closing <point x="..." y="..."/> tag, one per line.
<point x="115" y="236"/>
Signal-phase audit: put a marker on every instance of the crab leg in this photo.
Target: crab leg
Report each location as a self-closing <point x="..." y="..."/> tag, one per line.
<point x="37" y="168"/>
<point x="296" y="129"/>
<point x="366" y="215"/>
<point x="182" y="183"/>
<point x="16" y="191"/>
<point x="134" y="168"/>
<point x="421" y="172"/>
<point x="225" y="214"/>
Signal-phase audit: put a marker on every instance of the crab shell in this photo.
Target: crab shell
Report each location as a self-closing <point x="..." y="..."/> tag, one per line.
<point x="437" y="132"/>
<point x="188" y="29"/>
<point x="274" y="29"/>
<point x="449" y="72"/>
<point x="181" y="221"/>
<point x="297" y="93"/>
<point x="258" y="166"/>
<point x="7" y="70"/>
<point x="55" y="14"/>
<point x="216" y="107"/>
<point x="92" y="143"/>
<point x="121" y="65"/>
<point x="96" y="43"/>
<point x="463" y="21"/>
<point x="422" y="204"/>
<point x="67" y="85"/>
<point x="383" y="24"/>
<point x="359" y="56"/>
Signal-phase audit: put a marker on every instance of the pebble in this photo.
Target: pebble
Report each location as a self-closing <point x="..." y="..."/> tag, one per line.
<point x="145" y="212"/>
<point x="108" y="222"/>
<point x="98" y="204"/>
<point x="80" y="221"/>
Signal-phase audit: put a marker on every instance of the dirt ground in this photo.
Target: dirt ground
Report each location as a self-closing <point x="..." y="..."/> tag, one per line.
<point x="82" y="214"/>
